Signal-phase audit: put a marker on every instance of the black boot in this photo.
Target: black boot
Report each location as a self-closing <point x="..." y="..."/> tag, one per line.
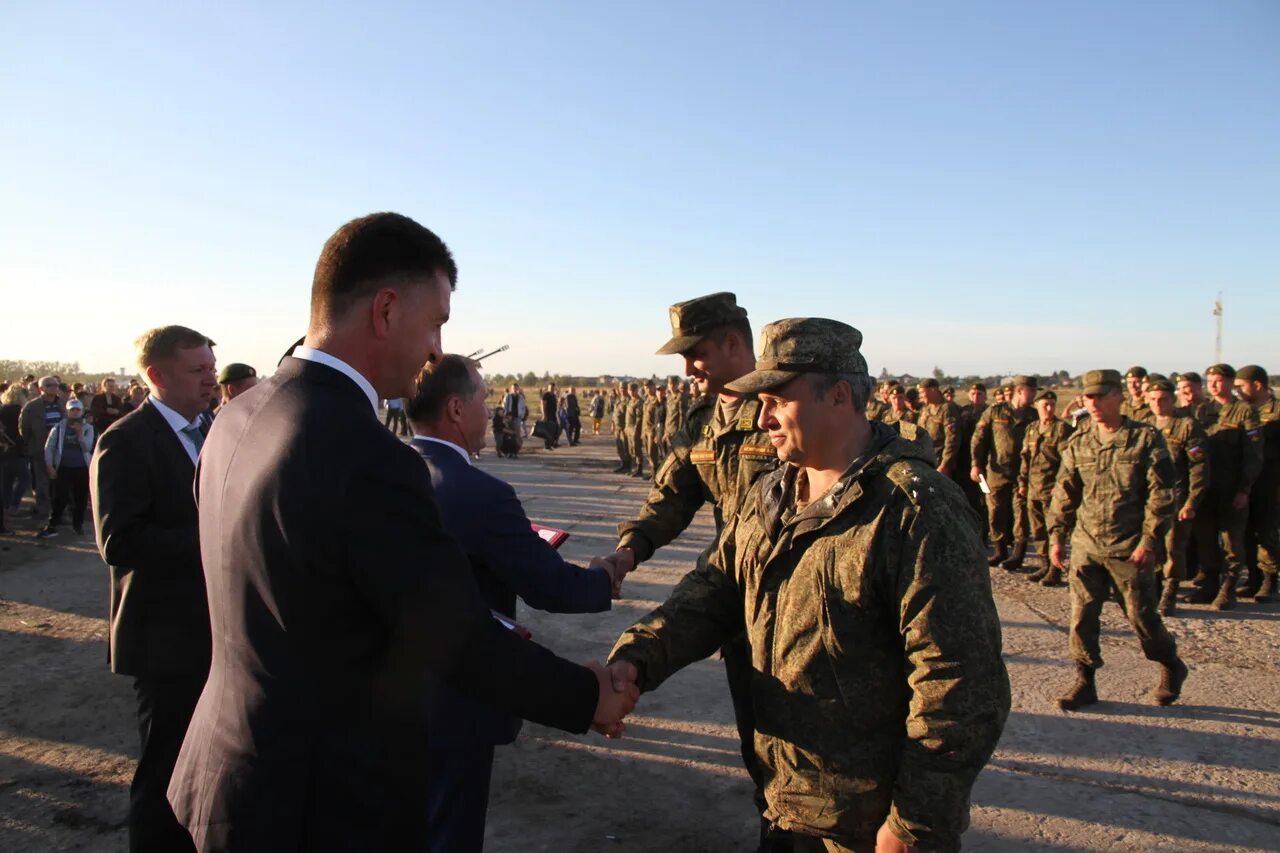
<point x="1015" y="559"/>
<point x="1169" y="597"/>
<point x="1039" y="574"/>
<point x="1002" y="551"/>
<point x="1253" y="582"/>
<point x="1267" y="591"/>
<point x="1226" y="597"/>
<point x="1085" y="691"/>
<point x="1054" y="578"/>
<point x="1206" y="591"/>
<point x="1171" y="677"/>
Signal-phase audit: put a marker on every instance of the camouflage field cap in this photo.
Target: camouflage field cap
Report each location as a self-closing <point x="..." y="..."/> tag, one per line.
<point x="927" y="383"/>
<point x="234" y="372"/>
<point x="1190" y="376"/>
<point x="1137" y="370"/>
<point x="1045" y="394"/>
<point x="1023" y="380"/>
<point x="1253" y="373"/>
<point x="1102" y="381"/>
<point x="1221" y="370"/>
<point x="789" y="348"/>
<point x="1153" y="377"/>
<point x="691" y="321"/>
<point x="1155" y="382"/>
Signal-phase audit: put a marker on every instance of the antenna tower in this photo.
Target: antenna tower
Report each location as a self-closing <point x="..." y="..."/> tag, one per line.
<point x="1217" y="340"/>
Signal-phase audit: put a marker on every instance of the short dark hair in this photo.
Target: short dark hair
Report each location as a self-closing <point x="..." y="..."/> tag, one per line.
<point x="437" y="382"/>
<point x="742" y="327"/>
<point x="164" y="341"/>
<point x="370" y="252"/>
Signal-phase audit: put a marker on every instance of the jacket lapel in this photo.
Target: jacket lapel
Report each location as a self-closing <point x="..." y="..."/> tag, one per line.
<point x="167" y="439"/>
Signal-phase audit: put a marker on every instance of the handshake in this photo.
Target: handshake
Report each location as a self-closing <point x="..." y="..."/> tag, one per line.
<point x="618" y="565"/>
<point x="618" y="696"/>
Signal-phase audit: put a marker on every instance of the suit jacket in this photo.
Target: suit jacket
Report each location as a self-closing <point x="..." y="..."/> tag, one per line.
<point x="334" y="592"/>
<point x="508" y="559"/>
<point x="144" y="508"/>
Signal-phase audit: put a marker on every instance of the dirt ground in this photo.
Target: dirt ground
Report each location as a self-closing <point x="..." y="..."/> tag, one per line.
<point x="1203" y="775"/>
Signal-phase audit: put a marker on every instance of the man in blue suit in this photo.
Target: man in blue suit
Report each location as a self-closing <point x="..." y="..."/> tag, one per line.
<point x="450" y="420"/>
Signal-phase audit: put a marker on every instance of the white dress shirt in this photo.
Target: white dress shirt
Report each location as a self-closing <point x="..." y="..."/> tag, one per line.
<point x="322" y="357"/>
<point x="178" y="423"/>
<point x="464" y="454"/>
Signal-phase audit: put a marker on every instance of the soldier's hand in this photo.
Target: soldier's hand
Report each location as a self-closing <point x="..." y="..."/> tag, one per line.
<point x="1143" y="557"/>
<point x="625" y="558"/>
<point x="1022" y="491"/>
<point x="1186" y="514"/>
<point x="615" y="572"/>
<point x="975" y="473"/>
<point x="1058" y="556"/>
<point x="613" y="704"/>
<point x="1240" y="501"/>
<point x="888" y="842"/>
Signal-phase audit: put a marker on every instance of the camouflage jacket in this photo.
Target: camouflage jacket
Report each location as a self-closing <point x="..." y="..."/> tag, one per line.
<point x="709" y="462"/>
<point x="632" y="414"/>
<point x="969" y="416"/>
<point x="917" y="436"/>
<point x="1041" y="456"/>
<point x="942" y="422"/>
<point x="1269" y="418"/>
<point x="1138" y="411"/>
<point x="1235" y="445"/>
<point x="877" y="680"/>
<point x="677" y="409"/>
<point x="652" y="416"/>
<point x="876" y="409"/>
<point x="1117" y="495"/>
<point x="1188" y="450"/>
<point x="892" y="417"/>
<point x="997" y="442"/>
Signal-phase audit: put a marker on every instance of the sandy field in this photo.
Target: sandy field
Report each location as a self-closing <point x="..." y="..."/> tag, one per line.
<point x="1203" y="775"/>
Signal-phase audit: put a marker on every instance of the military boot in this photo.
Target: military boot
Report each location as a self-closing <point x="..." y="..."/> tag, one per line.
<point x="1040" y="573"/>
<point x="1042" y="551"/>
<point x="1015" y="559"/>
<point x="1169" y="597"/>
<point x="1171" y="677"/>
<point x="1226" y="598"/>
<point x="1002" y="552"/>
<point x="1054" y="578"/>
<point x="1253" y="582"/>
<point x="1206" y="590"/>
<point x="1266" y="592"/>
<point x="1085" y="691"/>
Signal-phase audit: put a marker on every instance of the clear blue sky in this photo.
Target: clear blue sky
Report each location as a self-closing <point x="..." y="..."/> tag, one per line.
<point x="982" y="186"/>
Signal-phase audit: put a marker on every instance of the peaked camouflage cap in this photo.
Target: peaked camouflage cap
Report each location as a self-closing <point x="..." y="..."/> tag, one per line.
<point x="1156" y="382"/>
<point x="693" y="320"/>
<point x="1102" y="381"/>
<point x="789" y="348"/>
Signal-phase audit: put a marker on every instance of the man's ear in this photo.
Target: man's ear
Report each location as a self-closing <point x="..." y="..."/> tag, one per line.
<point x="382" y="310"/>
<point x="453" y="408"/>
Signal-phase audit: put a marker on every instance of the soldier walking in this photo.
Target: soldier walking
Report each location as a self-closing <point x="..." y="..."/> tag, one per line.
<point x="1037" y="472"/>
<point x="997" y="452"/>
<point x="1115" y="491"/>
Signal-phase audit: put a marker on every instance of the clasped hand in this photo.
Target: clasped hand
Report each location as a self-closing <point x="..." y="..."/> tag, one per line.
<point x="618" y="696"/>
<point x="618" y="564"/>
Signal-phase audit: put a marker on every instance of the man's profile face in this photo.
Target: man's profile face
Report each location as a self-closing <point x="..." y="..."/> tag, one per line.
<point x="187" y="380"/>
<point x="1023" y="395"/>
<point x="794" y="418"/>
<point x="707" y="363"/>
<point x="1104" y="407"/>
<point x="1218" y="385"/>
<point x="1250" y="392"/>
<point x="929" y="396"/>
<point x="1161" y="402"/>
<point x="475" y="414"/>
<point x="424" y="309"/>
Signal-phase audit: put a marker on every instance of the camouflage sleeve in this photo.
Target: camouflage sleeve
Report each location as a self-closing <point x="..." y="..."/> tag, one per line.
<point x="950" y="438"/>
<point x="703" y="612"/>
<point x="980" y="447"/>
<point x="1066" y="497"/>
<point x="959" y="688"/>
<point x="1251" y="461"/>
<point x="674" y="500"/>
<point x="1197" y="467"/>
<point x="1161" y="479"/>
<point x="1024" y="469"/>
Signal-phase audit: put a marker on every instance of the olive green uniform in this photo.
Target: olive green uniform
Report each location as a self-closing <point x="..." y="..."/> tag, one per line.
<point x="632" y="427"/>
<point x="677" y="410"/>
<point x="1137" y="410"/>
<point x="1037" y="472"/>
<point x="942" y="422"/>
<point x="997" y="450"/>
<point x="1261" y="538"/>
<point x="652" y="417"/>
<point x="876" y="673"/>
<point x="969" y="416"/>
<point x="1235" y="458"/>
<point x="876" y="409"/>
<point x="917" y="436"/>
<point x="1186" y="441"/>
<point x="618" y="422"/>
<point x="1113" y="496"/>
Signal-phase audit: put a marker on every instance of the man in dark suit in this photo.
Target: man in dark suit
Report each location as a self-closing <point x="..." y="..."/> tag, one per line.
<point x="335" y="593"/>
<point x="449" y="416"/>
<point x="142" y="478"/>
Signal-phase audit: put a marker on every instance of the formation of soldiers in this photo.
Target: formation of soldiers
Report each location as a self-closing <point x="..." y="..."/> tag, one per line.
<point x="645" y="416"/>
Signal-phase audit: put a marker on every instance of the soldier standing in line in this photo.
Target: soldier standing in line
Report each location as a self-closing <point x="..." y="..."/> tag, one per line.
<point x="897" y="409"/>
<point x="1190" y="393"/>
<point x="997" y="451"/>
<point x="877" y="405"/>
<point x="655" y="423"/>
<point x="1186" y="442"/>
<point x="1037" y="472"/>
<point x="1235" y="460"/>
<point x="714" y="459"/>
<point x="1115" y="492"/>
<point x="617" y="425"/>
<point x="876" y="673"/>
<point x="970" y="413"/>
<point x="1262" y="542"/>
<point x="940" y="419"/>
<point x="949" y="393"/>
<point x="1135" y="404"/>
<point x="633" y="427"/>
<point x="677" y="407"/>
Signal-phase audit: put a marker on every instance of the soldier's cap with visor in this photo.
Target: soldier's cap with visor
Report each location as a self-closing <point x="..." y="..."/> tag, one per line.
<point x="234" y="372"/>
<point x="1102" y="382"/>
<point x="1189" y="376"/>
<point x="1253" y="373"/>
<point x="1221" y="370"/>
<point x="1154" y="377"/>
<point x="927" y="383"/>
<point x="693" y="320"/>
<point x="791" y="348"/>
<point x="1137" y="370"/>
<point x="1046" y="394"/>
<point x="1023" y="380"/>
<point x="978" y="386"/>
<point x="1155" y="382"/>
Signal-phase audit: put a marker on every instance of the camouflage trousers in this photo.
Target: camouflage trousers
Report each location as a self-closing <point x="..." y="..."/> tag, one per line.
<point x="1092" y="579"/>
<point x="1003" y="506"/>
<point x="814" y="844"/>
<point x="624" y="454"/>
<point x="635" y="445"/>
<point x="1220" y="539"/>
<point x="1175" y="547"/>
<point x="656" y="453"/>
<point x="1262" y="532"/>
<point x="1030" y="523"/>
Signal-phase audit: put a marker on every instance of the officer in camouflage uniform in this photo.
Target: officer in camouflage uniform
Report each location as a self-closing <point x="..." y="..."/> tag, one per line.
<point x="715" y="457"/>
<point x="1186" y="442"/>
<point x="633" y="427"/>
<point x="617" y="424"/>
<point x="677" y="408"/>
<point x="1135" y="404"/>
<point x="897" y="409"/>
<point x="1235" y="458"/>
<point x="1115" y="487"/>
<point x="1262" y="542"/>
<point x="941" y="420"/>
<point x="655" y="419"/>
<point x="997" y="451"/>
<point x="876" y="673"/>
<point x="1037" y="472"/>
